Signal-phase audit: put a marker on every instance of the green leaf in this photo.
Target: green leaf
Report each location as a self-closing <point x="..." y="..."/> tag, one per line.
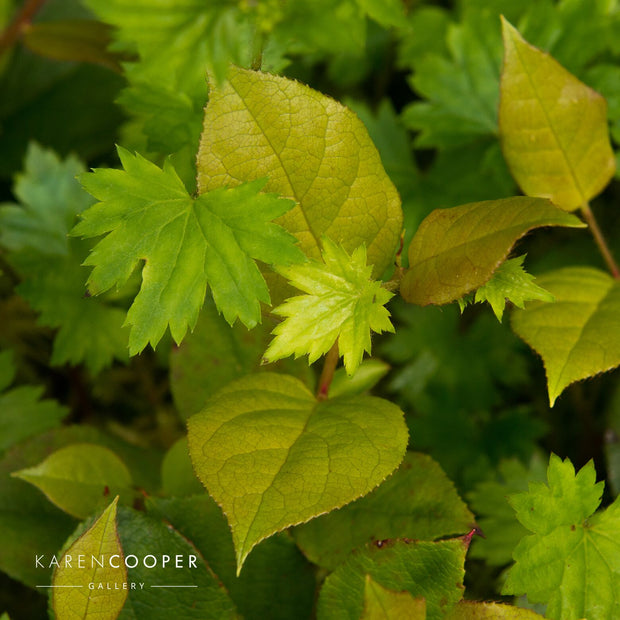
<point x="417" y="502"/>
<point x="553" y="127"/>
<point x="78" y="478"/>
<point x="22" y="411"/>
<point x="430" y="570"/>
<point x="298" y="457"/>
<point x="383" y="604"/>
<point x="276" y="582"/>
<point x="256" y="125"/>
<point x="509" y="283"/>
<point x="80" y="40"/>
<point x="342" y="303"/>
<point x="142" y="535"/>
<point x="369" y="373"/>
<point x="177" y="474"/>
<point x="572" y="562"/>
<point x="35" y="233"/>
<point x="495" y="516"/>
<point x="470" y="610"/>
<point x="71" y="596"/>
<point x="215" y="353"/>
<point x="457" y="250"/>
<point x="385" y="12"/>
<point x="577" y="336"/>
<point x="462" y="89"/>
<point x="186" y="243"/>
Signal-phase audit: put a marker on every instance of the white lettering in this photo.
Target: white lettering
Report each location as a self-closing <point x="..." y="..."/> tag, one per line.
<point x="135" y="559"/>
<point x="192" y="561"/>
<point x="37" y="561"/>
<point x="154" y="561"/>
<point x="110" y="561"/>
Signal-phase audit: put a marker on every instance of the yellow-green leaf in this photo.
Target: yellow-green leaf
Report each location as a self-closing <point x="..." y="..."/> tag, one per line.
<point x="383" y="604"/>
<point x="553" y="127"/>
<point x="314" y="150"/>
<point x="79" y="477"/>
<point x="579" y="335"/>
<point x="72" y="598"/>
<point x="470" y="610"/>
<point x="455" y="251"/>
<point x="272" y="456"/>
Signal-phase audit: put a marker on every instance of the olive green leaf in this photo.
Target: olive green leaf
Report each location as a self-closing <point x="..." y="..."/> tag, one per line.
<point x="553" y="128"/>
<point x="148" y="215"/>
<point x="341" y="303"/>
<point x="457" y="250"/>
<point x="509" y="283"/>
<point x="579" y="335"/>
<point x="571" y="563"/>
<point x="77" y="478"/>
<point x="417" y="501"/>
<point x="470" y="610"/>
<point x="313" y="150"/>
<point x="430" y="570"/>
<point x="383" y="604"/>
<point x="296" y="457"/>
<point x="71" y="596"/>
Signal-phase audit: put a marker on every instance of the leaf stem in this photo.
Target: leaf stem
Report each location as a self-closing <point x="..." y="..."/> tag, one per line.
<point x="257" y="49"/>
<point x="20" y="22"/>
<point x="327" y="375"/>
<point x="600" y="240"/>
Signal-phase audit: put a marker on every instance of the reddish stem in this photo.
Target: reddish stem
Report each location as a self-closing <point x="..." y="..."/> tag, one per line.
<point x="20" y="22"/>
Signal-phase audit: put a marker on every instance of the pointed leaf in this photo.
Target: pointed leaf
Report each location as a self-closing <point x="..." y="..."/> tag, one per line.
<point x="579" y="335"/>
<point x="509" y="283"/>
<point x="342" y="303"/>
<point x="313" y="150"/>
<point x="457" y="250"/>
<point x="418" y="501"/>
<point x="430" y="570"/>
<point x="383" y="604"/>
<point x="78" y="478"/>
<point x="369" y="373"/>
<point x="572" y="562"/>
<point x="553" y="127"/>
<point x="71" y="597"/>
<point x="186" y="244"/>
<point x="297" y="457"/>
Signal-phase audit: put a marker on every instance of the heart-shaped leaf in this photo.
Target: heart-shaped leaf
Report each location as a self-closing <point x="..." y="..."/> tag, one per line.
<point x="273" y="456"/>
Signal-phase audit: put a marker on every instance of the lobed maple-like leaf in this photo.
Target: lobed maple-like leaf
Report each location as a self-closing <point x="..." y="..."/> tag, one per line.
<point x="341" y="303"/>
<point x="186" y="244"/>
<point x="509" y="283"/>
<point x="572" y="561"/>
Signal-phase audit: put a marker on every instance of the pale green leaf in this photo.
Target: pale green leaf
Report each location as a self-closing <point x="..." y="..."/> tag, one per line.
<point x="313" y="150"/>
<point x="578" y="336"/>
<point x="470" y="610"/>
<point x="22" y="411"/>
<point x="206" y="598"/>
<point x="418" y="501"/>
<point x="177" y="474"/>
<point x="509" y="283"/>
<point x="369" y="373"/>
<point x="297" y="457"/>
<point x="457" y="250"/>
<point x="430" y="570"/>
<point x="553" y="128"/>
<point x="186" y="243"/>
<point x="572" y="562"/>
<point x="79" y="477"/>
<point x="341" y="303"/>
<point x="101" y="542"/>
<point x="383" y="604"/>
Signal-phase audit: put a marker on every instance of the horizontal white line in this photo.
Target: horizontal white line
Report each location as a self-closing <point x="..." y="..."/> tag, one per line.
<point x="58" y="586"/>
<point x="174" y="586"/>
